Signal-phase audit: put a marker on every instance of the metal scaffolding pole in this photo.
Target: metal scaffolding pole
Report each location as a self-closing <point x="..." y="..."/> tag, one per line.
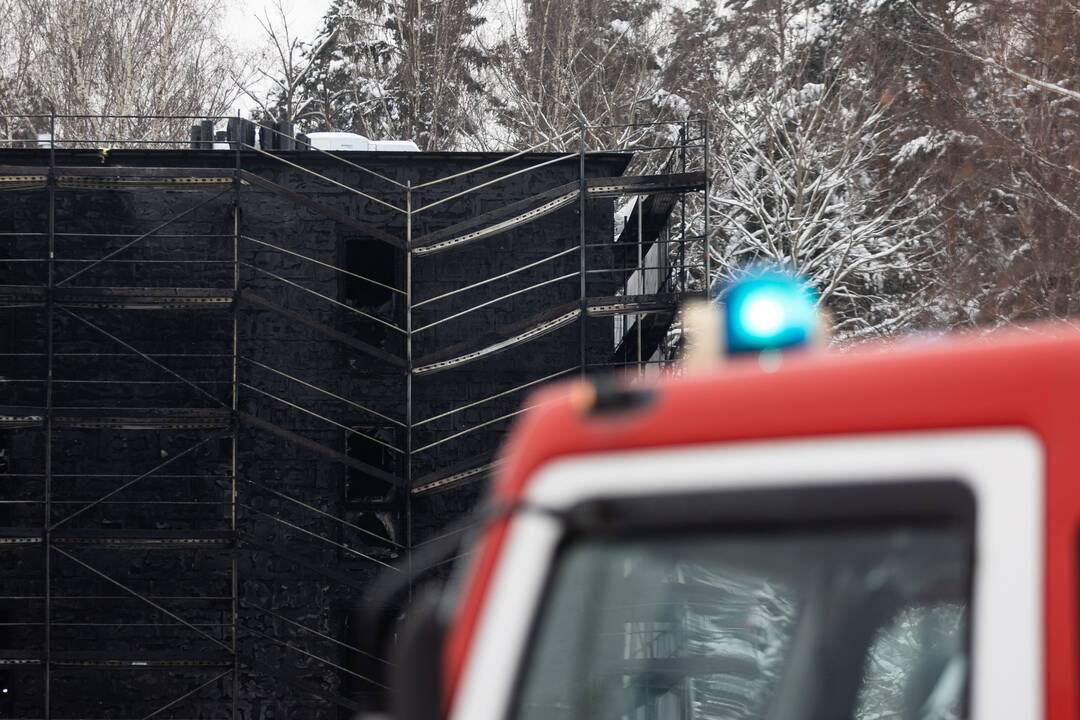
<point x="234" y="445"/>
<point x="582" y="199"/>
<point x="408" y="460"/>
<point x="707" y="284"/>
<point x="639" y="317"/>
<point x="47" y="520"/>
<point x="680" y="286"/>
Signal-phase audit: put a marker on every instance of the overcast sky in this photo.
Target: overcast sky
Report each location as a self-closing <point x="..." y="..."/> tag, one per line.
<point x="305" y="18"/>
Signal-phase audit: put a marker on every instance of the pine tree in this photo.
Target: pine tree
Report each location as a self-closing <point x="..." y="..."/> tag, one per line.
<point x="396" y="69"/>
<point x="568" y="60"/>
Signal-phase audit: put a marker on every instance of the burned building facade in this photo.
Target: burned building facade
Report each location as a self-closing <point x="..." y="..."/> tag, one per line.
<point x="237" y="385"/>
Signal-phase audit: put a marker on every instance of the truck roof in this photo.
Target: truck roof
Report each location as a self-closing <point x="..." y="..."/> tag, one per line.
<point x="1002" y="379"/>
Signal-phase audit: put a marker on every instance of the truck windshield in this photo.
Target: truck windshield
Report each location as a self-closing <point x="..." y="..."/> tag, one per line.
<point x="816" y="625"/>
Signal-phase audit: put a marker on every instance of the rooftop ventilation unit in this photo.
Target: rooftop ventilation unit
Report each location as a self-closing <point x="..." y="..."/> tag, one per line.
<point x="347" y="141"/>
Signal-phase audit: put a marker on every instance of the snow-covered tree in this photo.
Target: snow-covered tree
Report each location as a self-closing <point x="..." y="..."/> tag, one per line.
<point x="800" y="142"/>
<point x="284" y="61"/>
<point x="395" y="69"/>
<point x="995" y="130"/>
<point x="17" y="95"/>
<point x="558" y="62"/>
<point x="111" y="57"/>
<point x="797" y="184"/>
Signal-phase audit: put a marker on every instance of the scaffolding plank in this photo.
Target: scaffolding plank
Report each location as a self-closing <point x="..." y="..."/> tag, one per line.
<point x="630" y="304"/>
<point x="645" y="184"/>
<point x="140" y="659"/>
<point x="463" y="473"/>
<point x="378" y="353"/>
<point x="111" y="660"/>
<point x="26" y="177"/>
<point x="17" y="416"/>
<point x="9" y="183"/>
<point x="16" y="656"/>
<point x="492" y="342"/>
<point x="118" y="183"/>
<point x="106" y="171"/>
<point x="310" y="444"/>
<point x="149" y="539"/>
<point x="524" y="211"/>
<point x="14" y="537"/>
<point x="143" y="418"/>
<point x="333" y="213"/>
<point x="144" y="298"/>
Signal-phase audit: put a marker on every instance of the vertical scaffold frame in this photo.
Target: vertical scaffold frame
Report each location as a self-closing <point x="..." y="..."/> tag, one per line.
<point x="634" y="280"/>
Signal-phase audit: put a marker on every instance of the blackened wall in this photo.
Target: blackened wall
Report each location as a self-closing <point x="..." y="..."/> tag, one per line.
<point x="223" y="528"/>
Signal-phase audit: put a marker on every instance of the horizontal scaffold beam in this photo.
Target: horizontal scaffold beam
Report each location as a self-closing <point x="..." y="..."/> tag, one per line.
<point x="112" y="177"/>
<point x="20" y="416"/>
<point x="468" y="471"/>
<point x="630" y="304"/>
<point x="119" y="660"/>
<point x="142" y="418"/>
<point x="117" y="418"/>
<point x="144" y="298"/>
<point x="148" y="538"/>
<point x="645" y="184"/>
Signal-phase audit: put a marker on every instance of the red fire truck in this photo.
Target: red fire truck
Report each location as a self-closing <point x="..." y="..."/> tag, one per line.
<point x="882" y="533"/>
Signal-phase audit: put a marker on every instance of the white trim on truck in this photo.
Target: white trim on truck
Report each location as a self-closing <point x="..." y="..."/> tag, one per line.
<point x="1003" y="469"/>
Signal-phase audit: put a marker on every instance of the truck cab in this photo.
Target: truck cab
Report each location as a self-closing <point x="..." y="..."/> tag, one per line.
<point x="882" y="533"/>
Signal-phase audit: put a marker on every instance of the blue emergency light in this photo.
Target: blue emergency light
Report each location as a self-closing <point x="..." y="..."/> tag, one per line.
<point x="768" y="311"/>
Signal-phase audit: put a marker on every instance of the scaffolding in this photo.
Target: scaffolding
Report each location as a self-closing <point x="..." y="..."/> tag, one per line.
<point x="96" y="371"/>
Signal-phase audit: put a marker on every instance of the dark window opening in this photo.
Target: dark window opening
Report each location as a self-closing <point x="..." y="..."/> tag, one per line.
<point x="379" y="447"/>
<point x="376" y="270"/>
<point x="380" y="264"/>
